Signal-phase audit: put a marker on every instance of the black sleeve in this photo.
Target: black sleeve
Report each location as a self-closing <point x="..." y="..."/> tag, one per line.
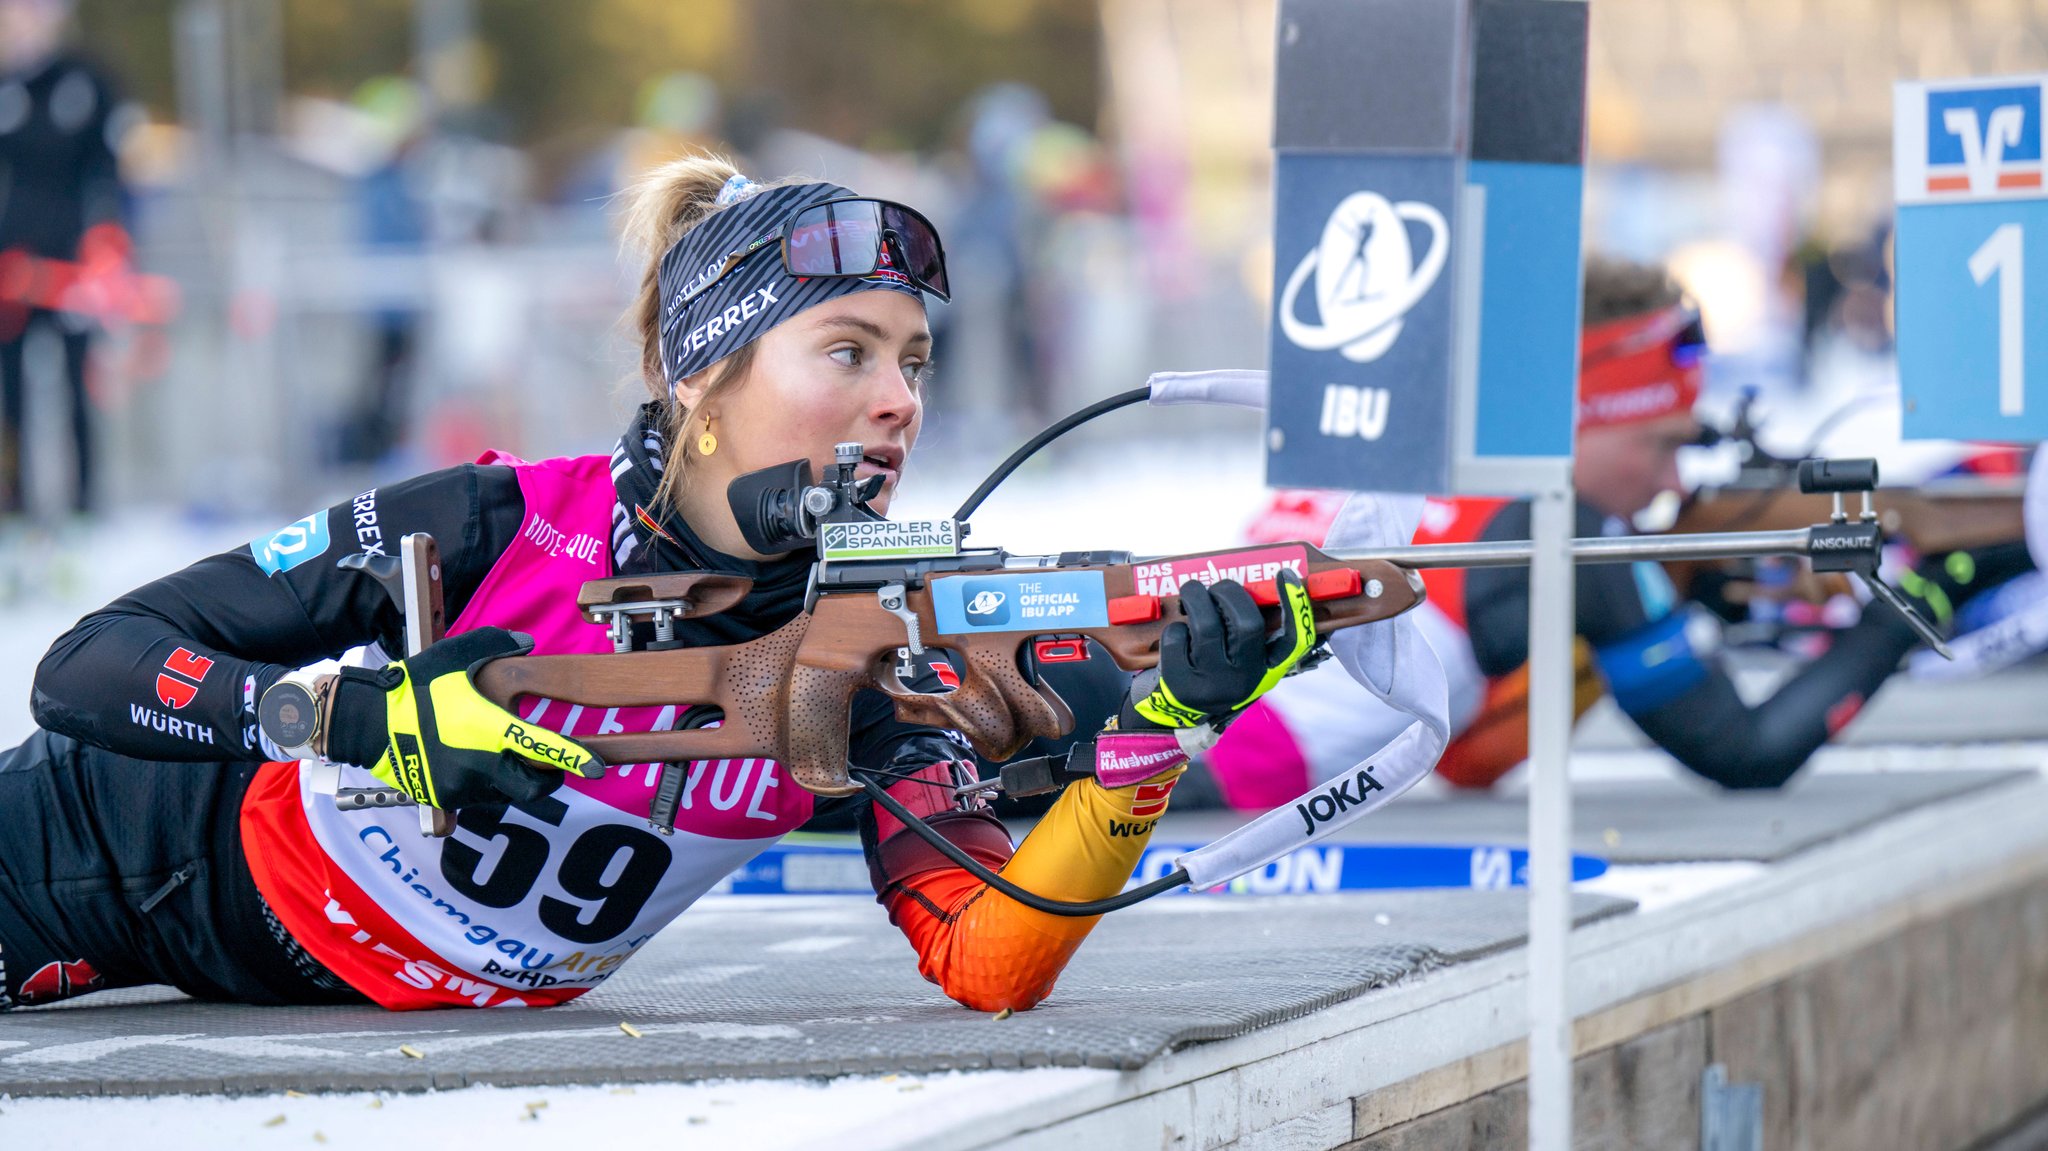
<point x="1710" y="730"/>
<point x="1093" y="690"/>
<point x="1610" y="604"/>
<point x="1705" y="726"/>
<point x="879" y="741"/>
<point x="171" y="671"/>
<point x="908" y="752"/>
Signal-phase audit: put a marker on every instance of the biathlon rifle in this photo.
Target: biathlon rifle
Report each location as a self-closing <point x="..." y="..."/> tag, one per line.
<point x="884" y="592"/>
<point x="1945" y="516"/>
<point x="883" y="596"/>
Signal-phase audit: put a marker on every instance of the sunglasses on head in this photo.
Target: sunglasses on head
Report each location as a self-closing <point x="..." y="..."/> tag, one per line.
<point x="1689" y="346"/>
<point x="850" y="236"/>
<point x="1677" y="327"/>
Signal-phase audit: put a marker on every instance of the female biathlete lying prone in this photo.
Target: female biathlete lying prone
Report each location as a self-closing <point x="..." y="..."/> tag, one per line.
<point x="145" y="839"/>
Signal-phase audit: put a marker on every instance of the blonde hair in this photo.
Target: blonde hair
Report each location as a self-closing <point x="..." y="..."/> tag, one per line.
<point x="664" y="203"/>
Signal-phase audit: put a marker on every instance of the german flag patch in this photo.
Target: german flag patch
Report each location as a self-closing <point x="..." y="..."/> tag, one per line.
<point x="1151" y="798"/>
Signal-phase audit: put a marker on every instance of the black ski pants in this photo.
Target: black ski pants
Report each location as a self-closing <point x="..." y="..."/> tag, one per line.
<point x="120" y="872"/>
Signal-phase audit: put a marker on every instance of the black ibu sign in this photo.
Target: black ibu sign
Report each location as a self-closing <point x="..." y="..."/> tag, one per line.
<point x="1427" y="186"/>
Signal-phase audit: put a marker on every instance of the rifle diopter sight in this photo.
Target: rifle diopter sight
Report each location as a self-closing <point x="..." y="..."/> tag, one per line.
<point x="779" y="508"/>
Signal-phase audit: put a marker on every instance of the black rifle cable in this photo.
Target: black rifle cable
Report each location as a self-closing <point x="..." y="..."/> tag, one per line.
<point x="1055" y="431"/>
<point x="946" y="847"/>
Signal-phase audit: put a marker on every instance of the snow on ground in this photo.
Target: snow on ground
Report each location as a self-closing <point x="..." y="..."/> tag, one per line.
<point x="758" y="1115"/>
<point x="48" y="579"/>
<point x="1657" y="886"/>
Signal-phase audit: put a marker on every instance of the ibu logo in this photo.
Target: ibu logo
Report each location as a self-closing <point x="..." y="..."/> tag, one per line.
<point x="1983" y="140"/>
<point x="1350" y="410"/>
<point x="988" y="606"/>
<point x="1367" y="276"/>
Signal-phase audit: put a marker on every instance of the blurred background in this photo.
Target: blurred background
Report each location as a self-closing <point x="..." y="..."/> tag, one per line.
<point x="338" y="243"/>
<point x="297" y="248"/>
<point x="388" y="224"/>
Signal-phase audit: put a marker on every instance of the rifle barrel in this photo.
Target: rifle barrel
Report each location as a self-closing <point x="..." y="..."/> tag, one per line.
<point x="1595" y="550"/>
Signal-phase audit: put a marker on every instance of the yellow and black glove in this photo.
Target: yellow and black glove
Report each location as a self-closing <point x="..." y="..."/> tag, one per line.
<point x="1943" y="584"/>
<point x="1219" y="661"/>
<point x="420" y="726"/>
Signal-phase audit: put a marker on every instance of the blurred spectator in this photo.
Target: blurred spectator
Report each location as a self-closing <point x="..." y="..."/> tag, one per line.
<point x="996" y="229"/>
<point x="393" y="222"/>
<point x="58" y="179"/>
<point x="679" y="113"/>
<point x="1030" y="229"/>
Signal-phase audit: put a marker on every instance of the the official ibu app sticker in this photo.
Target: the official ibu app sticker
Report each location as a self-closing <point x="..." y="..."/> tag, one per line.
<point x="291" y="545"/>
<point x="1048" y="601"/>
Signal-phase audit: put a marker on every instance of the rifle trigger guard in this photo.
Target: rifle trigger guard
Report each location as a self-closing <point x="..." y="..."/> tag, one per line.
<point x="896" y="601"/>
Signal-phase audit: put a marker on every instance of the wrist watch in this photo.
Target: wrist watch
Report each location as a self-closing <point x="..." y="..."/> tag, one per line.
<point x="293" y="713"/>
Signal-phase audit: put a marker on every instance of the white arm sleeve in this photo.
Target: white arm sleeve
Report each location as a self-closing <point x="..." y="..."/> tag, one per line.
<point x="1390" y="659"/>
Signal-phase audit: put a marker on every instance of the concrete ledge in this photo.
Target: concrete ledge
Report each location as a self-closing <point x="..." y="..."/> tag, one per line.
<point x="1934" y="1036"/>
<point x="1656" y="994"/>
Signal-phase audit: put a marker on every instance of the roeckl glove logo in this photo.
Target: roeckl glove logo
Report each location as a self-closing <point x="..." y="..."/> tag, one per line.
<point x="533" y="748"/>
<point x="1367" y="276"/>
<point x="1161" y="708"/>
<point x="409" y="766"/>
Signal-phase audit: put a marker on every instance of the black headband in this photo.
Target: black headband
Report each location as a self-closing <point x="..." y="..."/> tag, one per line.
<point x="754" y="296"/>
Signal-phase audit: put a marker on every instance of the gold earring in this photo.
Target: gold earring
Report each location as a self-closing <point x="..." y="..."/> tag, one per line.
<point x="707" y="443"/>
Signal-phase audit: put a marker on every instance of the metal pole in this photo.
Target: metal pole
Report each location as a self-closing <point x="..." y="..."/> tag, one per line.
<point x="1551" y="619"/>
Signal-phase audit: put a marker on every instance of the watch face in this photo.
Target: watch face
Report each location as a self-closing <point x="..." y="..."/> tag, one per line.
<point x="287" y="715"/>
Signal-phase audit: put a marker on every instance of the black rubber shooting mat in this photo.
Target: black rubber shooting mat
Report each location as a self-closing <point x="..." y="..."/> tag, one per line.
<point x="791" y="986"/>
<point x="1652" y="821"/>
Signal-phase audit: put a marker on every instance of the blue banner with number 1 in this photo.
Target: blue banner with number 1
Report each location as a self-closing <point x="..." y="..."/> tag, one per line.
<point x="1972" y="259"/>
<point x="1973" y="320"/>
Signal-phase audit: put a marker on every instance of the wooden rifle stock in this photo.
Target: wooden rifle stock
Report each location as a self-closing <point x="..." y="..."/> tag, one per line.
<point x="786" y="695"/>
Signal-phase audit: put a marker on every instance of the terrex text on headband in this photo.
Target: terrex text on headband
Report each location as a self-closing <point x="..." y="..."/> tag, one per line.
<point x="716" y="298"/>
